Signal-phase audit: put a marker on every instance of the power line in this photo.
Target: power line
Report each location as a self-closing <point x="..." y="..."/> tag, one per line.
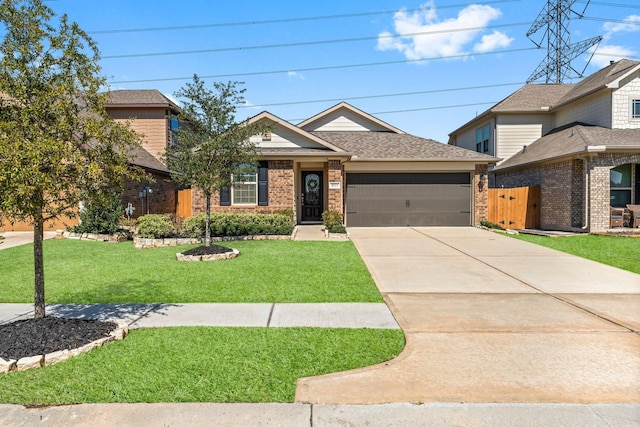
<point x="329" y="67"/>
<point x="416" y="109"/>
<point x="388" y="95"/>
<point x="307" y="43"/>
<point x="277" y="21"/>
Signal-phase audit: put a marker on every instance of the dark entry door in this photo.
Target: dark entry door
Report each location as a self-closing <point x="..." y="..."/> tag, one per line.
<point x="312" y="196"/>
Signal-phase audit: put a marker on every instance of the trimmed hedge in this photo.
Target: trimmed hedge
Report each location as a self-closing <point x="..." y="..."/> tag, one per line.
<point x="155" y="226"/>
<point x="230" y="224"/>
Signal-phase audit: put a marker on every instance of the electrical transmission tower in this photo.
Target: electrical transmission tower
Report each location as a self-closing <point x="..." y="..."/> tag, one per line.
<point x="556" y="67"/>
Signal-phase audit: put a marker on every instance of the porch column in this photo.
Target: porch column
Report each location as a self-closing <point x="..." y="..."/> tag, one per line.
<point x="480" y="198"/>
<point x="336" y="186"/>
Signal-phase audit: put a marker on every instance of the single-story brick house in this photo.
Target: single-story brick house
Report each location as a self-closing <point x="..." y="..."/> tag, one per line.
<point x="347" y="160"/>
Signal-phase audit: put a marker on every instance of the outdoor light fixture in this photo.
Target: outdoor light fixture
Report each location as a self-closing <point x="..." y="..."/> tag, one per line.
<point x="481" y="181"/>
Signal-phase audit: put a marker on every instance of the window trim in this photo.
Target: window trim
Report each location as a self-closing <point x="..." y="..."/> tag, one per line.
<point x="635" y="107"/>
<point x="253" y="183"/>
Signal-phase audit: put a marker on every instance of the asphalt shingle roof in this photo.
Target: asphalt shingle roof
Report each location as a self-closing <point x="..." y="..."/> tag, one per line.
<point x="144" y="159"/>
<point x="393" y="146"/>
<point x="572" y="140"/>
<point x="140" y="97"/>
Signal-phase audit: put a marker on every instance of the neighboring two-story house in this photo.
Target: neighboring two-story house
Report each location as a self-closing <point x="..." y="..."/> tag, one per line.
<point x="152" y="115"/>
<point x="579" y="142"/>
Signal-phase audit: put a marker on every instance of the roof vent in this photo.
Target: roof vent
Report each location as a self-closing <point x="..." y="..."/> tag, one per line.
<point x="612" y="62"/>
<point x="524" y="149"/>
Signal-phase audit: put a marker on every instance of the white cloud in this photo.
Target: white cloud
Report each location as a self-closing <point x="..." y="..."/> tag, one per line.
<point x="248" y="104"/>
<point x="631" y="25"/>
<point x="492" y="41"/>
<point x="171" y="98"/>
<point x="444" y="37"/>
<point x="294" y="74"/>
<point x="607" y="53"/>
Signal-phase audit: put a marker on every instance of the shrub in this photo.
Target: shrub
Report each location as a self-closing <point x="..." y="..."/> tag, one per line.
<point x="100" y="215"/>
<point x="491" y="225"/>
<point x="230" y="224"/>
<point x="155" y="226"/>
<point x="193" y="226"/>
<point x="331" y="219"/>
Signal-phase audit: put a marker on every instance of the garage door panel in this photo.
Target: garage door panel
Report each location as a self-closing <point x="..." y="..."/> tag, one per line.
<point x="429" y="199"/>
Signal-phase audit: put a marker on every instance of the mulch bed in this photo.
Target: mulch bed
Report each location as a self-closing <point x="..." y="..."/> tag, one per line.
<point x="207" y="250"/>
<point x="33" y="337"/>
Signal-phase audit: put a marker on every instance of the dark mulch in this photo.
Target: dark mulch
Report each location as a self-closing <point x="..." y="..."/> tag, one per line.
<point x="33" y="337"/>
<point x="207" y="250"/>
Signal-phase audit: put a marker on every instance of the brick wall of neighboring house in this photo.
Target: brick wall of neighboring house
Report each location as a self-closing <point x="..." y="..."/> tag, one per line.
<point x="161" y="200"/>
<point x="558" y="204"/>
<point x="600" y="188"/>
<point x="480" y="198"/>
<point x="334" y="173"/>
<point x="151" y="123"/>
<point x="281" y="193"/>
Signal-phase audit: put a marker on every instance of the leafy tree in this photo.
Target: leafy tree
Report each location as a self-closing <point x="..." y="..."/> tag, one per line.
<point x="57" y="142"/>
<point x="211" y="146"/>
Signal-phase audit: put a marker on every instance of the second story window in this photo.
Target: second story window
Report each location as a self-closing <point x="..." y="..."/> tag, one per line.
<point x="173" y="127"/>
<point x="635" y="109"/>
<point x="482" y="139"/>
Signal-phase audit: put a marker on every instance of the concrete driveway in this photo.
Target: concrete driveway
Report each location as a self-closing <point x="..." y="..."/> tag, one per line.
<point x="488" y="318"/>
<point x="17" y="238"/>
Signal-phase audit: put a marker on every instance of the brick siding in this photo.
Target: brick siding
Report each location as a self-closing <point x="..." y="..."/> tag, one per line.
<point x="281" y="193"/>
<point x="335" y="194"/>
<point x="480" y="198"/>
<point x="562" y="207"/>
<point x="161" y="200"/>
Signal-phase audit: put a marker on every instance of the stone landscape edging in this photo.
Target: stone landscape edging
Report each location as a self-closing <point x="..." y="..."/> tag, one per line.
<point x="37" y="361"/>
<point x="144" y="243"/>
<point x="118" y="237"/>
<point x="211" y="257"/>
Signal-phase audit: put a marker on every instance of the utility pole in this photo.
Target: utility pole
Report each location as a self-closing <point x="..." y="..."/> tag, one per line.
<point x="555" y="18"/>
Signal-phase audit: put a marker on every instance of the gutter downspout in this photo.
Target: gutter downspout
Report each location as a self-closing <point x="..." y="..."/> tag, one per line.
<point x="585" y="168"/>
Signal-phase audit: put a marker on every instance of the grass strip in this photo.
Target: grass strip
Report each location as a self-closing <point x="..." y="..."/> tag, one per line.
<point x="266" y="271"/>
<point x="618" y="251"/>
<point x="201" y="364"/>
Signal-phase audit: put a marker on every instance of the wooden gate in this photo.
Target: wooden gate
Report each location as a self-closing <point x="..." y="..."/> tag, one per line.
<point x="515" y="208"/>
<point x="183" y="208"/>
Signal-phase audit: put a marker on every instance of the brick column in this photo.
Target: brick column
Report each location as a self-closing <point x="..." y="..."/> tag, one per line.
<point x="335" y="194"/>
<point x="480" y="198"/>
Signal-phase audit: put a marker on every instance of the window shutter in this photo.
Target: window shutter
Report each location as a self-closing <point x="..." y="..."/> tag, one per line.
<point x="225" y="196"/>
<point x="263" y="183"/>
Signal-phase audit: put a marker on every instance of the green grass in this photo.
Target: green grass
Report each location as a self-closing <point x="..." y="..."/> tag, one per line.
<point x="266" y="271"/>
<point x="618" y="251"/>
<point x="201" y="365"/>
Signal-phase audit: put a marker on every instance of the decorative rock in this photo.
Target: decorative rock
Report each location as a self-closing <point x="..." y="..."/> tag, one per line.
<point x="56" y="356"/>
<point x="7" y="366"/>
<point x="30" y="362"/>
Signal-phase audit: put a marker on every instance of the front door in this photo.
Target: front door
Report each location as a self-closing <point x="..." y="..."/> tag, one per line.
<point x="311" y="196"/>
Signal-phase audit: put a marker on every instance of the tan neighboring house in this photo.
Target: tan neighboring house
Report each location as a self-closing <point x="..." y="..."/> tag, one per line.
<point x="150" y="114"/>
<point x="347" y="160"/>
<point x="579" y="142"/>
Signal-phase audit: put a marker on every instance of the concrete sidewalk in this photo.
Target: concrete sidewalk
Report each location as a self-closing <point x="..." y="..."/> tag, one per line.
<point x="280" y="315"/>
<point x="17" y="238"/>
<point x="300" y="415"/>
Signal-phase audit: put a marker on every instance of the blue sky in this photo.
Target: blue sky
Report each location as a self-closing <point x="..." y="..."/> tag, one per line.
<point x="466" y="71"/>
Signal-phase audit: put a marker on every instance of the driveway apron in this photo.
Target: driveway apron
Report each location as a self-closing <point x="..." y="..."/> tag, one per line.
<point x="489" y="318"/>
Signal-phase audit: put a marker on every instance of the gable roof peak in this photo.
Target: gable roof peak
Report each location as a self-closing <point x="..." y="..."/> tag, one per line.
<point x="306" y="124"/>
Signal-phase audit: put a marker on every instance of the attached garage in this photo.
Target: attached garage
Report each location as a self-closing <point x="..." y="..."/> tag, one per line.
<point x="408" y="199"/>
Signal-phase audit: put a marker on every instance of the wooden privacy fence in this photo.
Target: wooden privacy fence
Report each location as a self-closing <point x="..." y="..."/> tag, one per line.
<point x="515" y="208"/>
<point x="183" y="208"/>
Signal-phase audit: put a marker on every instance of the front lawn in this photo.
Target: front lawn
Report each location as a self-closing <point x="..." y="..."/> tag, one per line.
<point x="266" y="271"/>
<point x="618" y="251"/>
<point x="201" y="365"/>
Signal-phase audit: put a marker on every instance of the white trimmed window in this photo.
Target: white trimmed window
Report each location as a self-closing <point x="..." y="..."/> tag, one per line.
<point x="482" y="139"/>
<point x="244" y="190"/>
<point x="635" y="108"/>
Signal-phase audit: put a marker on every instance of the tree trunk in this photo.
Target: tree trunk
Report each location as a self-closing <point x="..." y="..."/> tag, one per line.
<point x="38" y="267"/>
<point x="207" y="233"/>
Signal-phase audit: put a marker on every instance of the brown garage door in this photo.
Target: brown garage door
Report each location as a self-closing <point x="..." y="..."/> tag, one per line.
<point x="408" y="199"/>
